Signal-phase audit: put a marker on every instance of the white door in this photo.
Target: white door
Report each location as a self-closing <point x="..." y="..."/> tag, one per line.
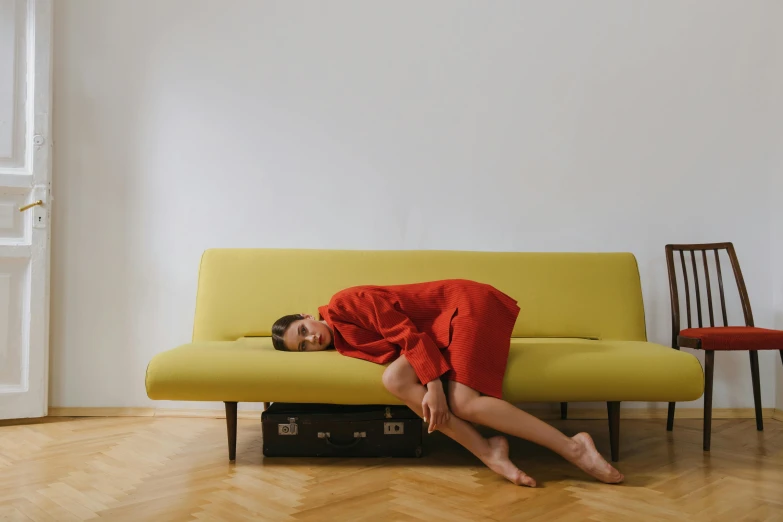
<point x="25" y="179"/>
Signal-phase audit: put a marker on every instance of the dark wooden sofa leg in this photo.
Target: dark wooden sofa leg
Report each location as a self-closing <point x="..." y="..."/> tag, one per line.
<point x="231" y="426"/>
<point x="266" y="406"/>
<point x="563" y="410"/>
<point x="613" y="408"/>
<point x="670" y="417"/>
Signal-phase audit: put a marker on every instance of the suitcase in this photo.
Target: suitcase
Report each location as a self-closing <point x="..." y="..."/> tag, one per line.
<point x="331" y="430"/>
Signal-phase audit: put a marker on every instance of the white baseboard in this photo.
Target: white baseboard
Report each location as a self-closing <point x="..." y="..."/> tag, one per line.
<point x="149" y="412"/>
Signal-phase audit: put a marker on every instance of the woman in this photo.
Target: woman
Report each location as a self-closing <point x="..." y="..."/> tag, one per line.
<point x="454" y="330"/>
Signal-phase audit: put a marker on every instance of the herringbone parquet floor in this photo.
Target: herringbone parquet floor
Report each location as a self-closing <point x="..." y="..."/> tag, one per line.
<point x="176" y="469"/>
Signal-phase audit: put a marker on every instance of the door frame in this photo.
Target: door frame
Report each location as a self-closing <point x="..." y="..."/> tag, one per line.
<point x="29" y="398"/>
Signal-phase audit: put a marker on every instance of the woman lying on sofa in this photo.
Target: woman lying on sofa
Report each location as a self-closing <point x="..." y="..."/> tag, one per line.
<point x="456" y="330"/>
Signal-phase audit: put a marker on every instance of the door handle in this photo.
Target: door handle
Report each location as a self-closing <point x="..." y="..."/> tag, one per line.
<point x="31" y="205"/>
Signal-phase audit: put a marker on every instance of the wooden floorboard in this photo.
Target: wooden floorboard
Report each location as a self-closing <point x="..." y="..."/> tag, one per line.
<point x="176" y="469"/>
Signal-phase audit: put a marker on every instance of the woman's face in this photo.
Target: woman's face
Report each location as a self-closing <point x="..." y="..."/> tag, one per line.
<point x="308" y="335"/>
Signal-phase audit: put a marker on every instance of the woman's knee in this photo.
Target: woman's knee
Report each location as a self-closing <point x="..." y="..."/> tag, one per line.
<point x="397" y="377"/>
<point x="391" y="381"/>
<point x="462" y="400"/>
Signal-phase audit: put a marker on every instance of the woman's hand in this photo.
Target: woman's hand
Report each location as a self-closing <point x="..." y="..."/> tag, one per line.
<point x="435" y="407"/>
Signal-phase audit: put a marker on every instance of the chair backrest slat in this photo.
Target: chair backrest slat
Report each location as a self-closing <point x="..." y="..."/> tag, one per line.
<point x="720" y="284"/>
<point x="709" y="290"/>
<point x="696" y="285"/>
<point x="687" y="288"/>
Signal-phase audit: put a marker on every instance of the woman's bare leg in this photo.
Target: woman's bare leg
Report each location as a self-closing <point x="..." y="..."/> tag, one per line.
<point x="468" y="404"/>
<point x="400" y="379"/>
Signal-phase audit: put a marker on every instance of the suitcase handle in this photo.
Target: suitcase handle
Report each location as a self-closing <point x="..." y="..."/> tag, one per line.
<point x="357" y="437"/>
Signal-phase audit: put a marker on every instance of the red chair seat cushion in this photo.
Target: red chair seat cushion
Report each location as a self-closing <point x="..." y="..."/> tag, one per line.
<point x="733" y="338"/>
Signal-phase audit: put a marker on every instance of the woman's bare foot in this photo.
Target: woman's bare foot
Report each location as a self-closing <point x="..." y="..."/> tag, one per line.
<point x="498" y="461"/>
<point x="591" y="462"/>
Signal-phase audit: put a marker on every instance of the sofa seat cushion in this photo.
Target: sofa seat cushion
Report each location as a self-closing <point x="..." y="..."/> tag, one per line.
<point x="539" y="370"/>
<point x="564" y="370"/>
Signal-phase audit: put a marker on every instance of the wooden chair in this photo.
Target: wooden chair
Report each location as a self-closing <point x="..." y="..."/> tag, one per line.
<point x="711" y="339"/>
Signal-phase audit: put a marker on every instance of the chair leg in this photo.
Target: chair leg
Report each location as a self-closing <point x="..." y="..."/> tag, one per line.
<point x="754" y="372"/>
<point x="710" y="363"/>
<point x="670" y="417"/>
<point x="231" y="427"/>
<point x="563" y="410"/>
<point x="613" y="408"/>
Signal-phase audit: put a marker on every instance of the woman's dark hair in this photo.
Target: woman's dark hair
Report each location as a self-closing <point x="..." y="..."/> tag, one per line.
<point x="279" y="329"/>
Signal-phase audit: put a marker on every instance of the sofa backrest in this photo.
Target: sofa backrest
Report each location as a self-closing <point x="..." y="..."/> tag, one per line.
<point x="242" y="292"/>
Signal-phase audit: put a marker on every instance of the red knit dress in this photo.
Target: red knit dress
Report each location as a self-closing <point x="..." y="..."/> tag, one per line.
<point x="454" y="328"/>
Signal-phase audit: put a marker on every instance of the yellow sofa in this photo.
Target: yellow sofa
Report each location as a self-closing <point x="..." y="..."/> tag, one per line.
<point x="580" y="335"/>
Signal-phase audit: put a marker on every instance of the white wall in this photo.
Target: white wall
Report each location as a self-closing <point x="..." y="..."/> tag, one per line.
<point x="778" y="307"/>
<point x="777" y="262"/>
<point x="777" y="229"/>
<point x="533" y="126"/>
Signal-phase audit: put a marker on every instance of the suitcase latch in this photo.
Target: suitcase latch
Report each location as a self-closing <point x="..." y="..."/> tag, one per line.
<point x="288" y="429"/>
<point x="393" y="428"/>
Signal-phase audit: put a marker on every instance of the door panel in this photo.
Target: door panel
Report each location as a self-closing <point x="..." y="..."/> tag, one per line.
<point x="12" y="344"/>
<point x="12" y="222"/>
<point x="13" y="68"/>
